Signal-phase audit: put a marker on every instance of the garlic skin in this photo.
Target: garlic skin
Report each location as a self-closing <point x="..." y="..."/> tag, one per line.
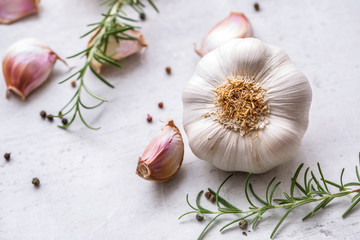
<point x="121" y="49"/>
<point x="27" y="64"/>
<point x="163" y="156"/>
<point x="13" y="10"/>
<point x="234" y="26"/>
<point x="277" y="132"/>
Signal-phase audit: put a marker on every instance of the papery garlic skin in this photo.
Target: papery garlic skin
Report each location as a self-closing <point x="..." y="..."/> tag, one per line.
<point x="288" y="96"/>
<point x="163" y="156"/>
<point x="27" y="64"/>
<point x="234" y="26"/>
<point x="121" y="49"/>
<point x="13" y="10"/>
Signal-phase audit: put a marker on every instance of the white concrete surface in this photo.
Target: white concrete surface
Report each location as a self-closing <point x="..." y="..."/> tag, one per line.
<point x="89" y="189"/>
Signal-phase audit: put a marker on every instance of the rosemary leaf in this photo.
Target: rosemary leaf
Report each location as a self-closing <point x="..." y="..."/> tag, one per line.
<point x="267" y="190"/>
<point x="223" y="201"/>
<point x="246" y="193"/>
<point x="293" y="180"/>
<point x="300" y="187"/>
<point x="256" y="196"/>
<point x="101" y="78"/>
<point x="272" y="192"/>
<point x="322" y="177"/>
<point x="202" y="209"/>
<point x="351" y="208"/>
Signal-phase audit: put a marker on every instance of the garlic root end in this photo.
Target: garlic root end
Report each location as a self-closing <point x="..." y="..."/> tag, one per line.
<point x="16" y="91"/>
<point x="143" y="170"/>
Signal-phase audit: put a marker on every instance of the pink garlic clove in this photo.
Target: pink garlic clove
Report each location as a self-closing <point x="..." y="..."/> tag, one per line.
<point x="26" y="65"/>
<point x="121" y="49"/>
<point x="234" y="26"/>
<point x="13" y="10"/>
<point x="163" y="156"/>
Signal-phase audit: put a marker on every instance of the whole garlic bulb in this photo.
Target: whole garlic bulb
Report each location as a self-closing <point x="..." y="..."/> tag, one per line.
<point x="246" y="107"/>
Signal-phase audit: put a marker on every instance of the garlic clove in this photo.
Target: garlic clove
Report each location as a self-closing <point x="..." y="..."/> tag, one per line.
<point x="13" y="10"/>
<point x="163" y="156"/>
<point x="234" y="26"/>
<point x="26" y="65"/>
<point x="122" y="48"/>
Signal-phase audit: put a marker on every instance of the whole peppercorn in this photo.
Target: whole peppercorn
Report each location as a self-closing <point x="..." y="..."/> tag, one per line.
<point x="160" y="104"/>
<point x="168" y="70"/>
<point x="142" y="16"/>
<point x="149" y="118"/>
<point x="50" y="118"/>
<point x="64" y="121"/>
<point x="257" y="7"/>
<point x="43" y="114"/>
<point x="7" y="156"/>
<point x="212" y="198"/>
<point x="36" y="182"/>
<point x="73" y="84"/>
<point x="207" y="195"/>
<point x="243" y="224"/>
<point x="199" y="217"/>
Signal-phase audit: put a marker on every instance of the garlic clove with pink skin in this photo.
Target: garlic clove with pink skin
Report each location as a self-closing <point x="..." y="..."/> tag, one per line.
<point x="163" y="156"/>
<point x="27" y="64"/>
<point x="234" y="26"/>
<point x="13" y="10"/>
<point x="121" y="49"/>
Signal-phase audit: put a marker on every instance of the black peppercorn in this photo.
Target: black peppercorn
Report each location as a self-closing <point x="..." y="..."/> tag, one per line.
<point x="243" y="224"/>
<point x="64" y="121"/>
<point x="50" y="118"/>
<point x="73" y="84"/>
<point x="199" y="217"/>
<point x="7" y="156"/>
<point x="43" y="114"/>
<point x="212" y="198"/>
<point x="36" y="182"/>
<point x="142" y="16"/>
<point x="257" y="7"/>
<point x="207" y="195"/>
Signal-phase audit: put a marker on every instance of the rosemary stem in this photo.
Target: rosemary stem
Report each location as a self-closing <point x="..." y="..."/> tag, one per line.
<point x="295" y="203"/>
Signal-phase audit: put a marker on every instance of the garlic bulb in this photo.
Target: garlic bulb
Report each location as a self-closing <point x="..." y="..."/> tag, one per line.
<point x="163" y="156"/>
<point x="246" y="107"/>
<point x="12" y="10"/>
<point x="121" y="48"/>
<point x="234" y="26"/>
<point x="26" y="65"/>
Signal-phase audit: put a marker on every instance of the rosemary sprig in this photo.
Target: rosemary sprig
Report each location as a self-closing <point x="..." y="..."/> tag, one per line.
<point x="114" y="25"/>
<point x="314" y="189"/>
